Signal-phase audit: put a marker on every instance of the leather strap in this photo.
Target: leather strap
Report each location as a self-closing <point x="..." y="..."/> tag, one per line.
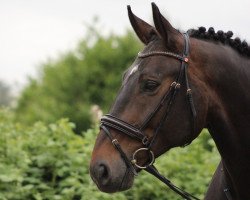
<point x="152" y="170"/>
<point x="118" y="124"/>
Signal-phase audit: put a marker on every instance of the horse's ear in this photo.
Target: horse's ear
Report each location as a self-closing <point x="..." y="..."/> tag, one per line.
<point x="164" y="28"/>
<point x="144" y="31"/>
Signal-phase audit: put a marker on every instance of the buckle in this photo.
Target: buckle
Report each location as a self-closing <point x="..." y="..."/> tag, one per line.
<point x="189" y="91"/>
<point x="114" y="141"/>
<point x="145" y="141"/>
<point x="177" y="86"/>
<point x="151" y="156"/>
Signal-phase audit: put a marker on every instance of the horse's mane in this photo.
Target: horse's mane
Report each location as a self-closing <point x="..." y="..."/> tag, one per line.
<point x="223" y="37"/>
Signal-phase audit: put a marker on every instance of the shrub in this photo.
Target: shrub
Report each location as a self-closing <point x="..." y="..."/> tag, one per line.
<point x="51" y="162"/>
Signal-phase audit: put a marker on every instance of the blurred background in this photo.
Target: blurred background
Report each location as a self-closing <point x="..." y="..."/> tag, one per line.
<point x="61" y="64"/>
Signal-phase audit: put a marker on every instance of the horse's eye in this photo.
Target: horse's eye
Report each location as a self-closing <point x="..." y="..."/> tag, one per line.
<point x="150" y="86"/>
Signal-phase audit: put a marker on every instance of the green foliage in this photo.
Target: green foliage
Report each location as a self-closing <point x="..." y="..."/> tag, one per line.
<point x="44" y="162"/>
<point x="51" y="162"/>
<point x="69" y="85"/>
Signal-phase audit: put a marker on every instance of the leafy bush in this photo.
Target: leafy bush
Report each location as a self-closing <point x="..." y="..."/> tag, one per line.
<point x="51" y="162"/>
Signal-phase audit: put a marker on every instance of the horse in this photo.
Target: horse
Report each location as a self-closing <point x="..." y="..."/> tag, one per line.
<point x="178" y="85"/>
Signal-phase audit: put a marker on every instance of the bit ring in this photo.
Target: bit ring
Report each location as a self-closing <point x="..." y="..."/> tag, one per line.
<point x="151" y="155"/>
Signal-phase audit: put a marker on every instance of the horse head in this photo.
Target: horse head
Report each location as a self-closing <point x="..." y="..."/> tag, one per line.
<point x="159" y="106"/>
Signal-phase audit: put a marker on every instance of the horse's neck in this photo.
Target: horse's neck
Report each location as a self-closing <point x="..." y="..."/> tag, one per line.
<point x="227" y="76"/>
<point x="229" y="108"/>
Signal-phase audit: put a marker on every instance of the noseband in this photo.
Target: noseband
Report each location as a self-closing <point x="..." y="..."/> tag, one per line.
<point x="110" y="121"/>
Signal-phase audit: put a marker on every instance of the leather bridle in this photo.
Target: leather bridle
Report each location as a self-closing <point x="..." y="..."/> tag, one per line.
<point x="110" y="121"/>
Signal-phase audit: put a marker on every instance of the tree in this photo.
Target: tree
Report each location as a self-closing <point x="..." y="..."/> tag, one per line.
<point x="68" y="86"/>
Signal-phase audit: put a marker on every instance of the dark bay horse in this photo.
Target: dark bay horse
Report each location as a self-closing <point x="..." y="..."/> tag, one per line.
<point x="178" y="85"/>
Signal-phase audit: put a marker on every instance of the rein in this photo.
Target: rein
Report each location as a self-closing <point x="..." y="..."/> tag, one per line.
<point x="110" y="121"/>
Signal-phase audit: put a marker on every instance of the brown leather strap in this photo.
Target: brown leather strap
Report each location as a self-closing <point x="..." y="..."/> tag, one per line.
<point x="120" y="125"/>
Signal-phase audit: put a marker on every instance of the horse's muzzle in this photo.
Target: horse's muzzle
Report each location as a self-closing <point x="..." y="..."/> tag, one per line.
<point x="109" y="178"/>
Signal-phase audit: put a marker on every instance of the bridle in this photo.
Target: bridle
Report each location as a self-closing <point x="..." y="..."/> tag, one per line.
<point x="110" y="121"/>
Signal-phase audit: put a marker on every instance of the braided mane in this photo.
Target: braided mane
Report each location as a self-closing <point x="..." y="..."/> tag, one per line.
<point x="223" y="37"/>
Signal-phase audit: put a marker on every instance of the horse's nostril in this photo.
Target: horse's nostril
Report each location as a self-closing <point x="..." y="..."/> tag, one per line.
<point x="101" y="173"/>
